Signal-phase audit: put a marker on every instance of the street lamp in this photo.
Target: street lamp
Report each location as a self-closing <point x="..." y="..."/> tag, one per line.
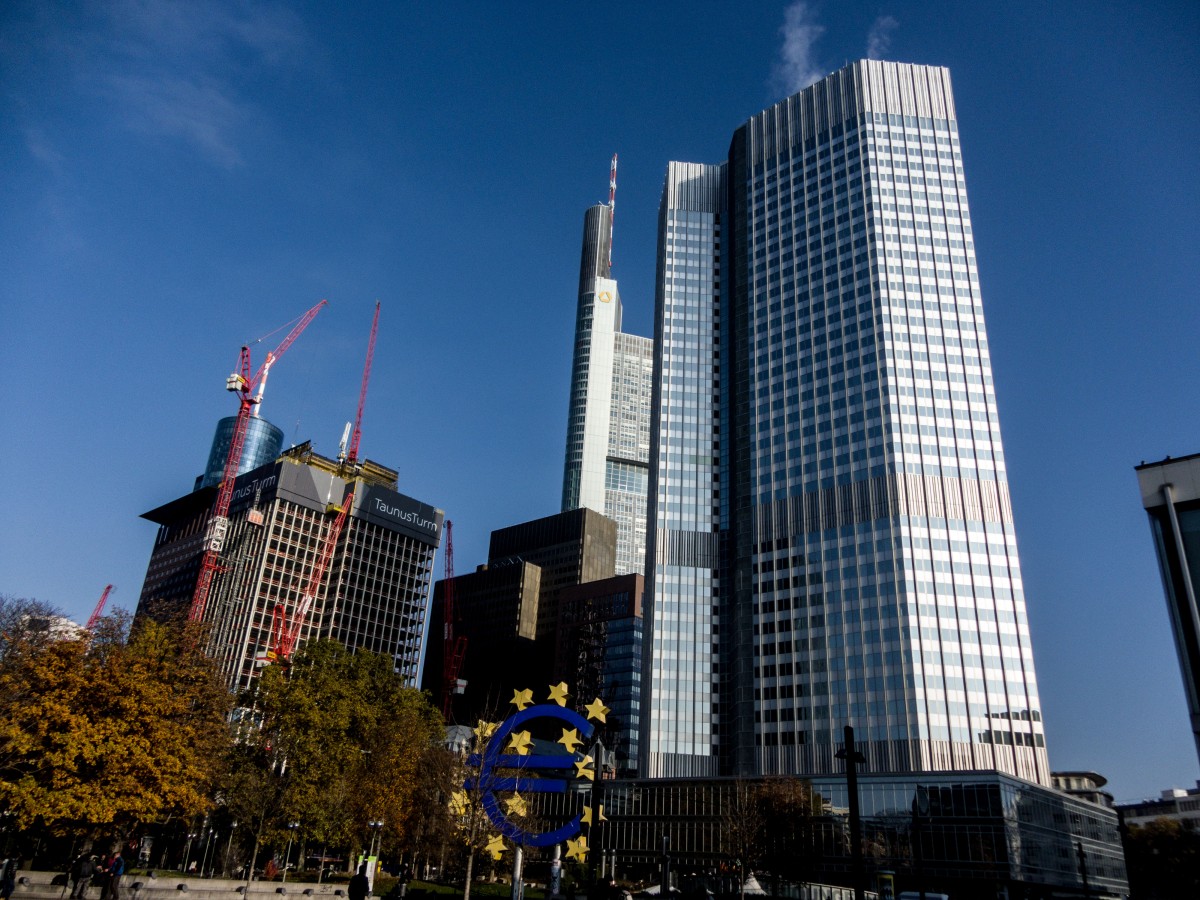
<point x="204" y="855"/>
<point x="853" y="760"/>
<point x="228" y="848"/>
<point x="287" y="854"/>
<point x="376" y="826"/>
<point x="187" y="850"/>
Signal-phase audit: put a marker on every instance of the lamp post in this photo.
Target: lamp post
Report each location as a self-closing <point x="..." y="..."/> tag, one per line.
<point x="920" y="809"/>
<point x="228" y="848"/>
<point x="853" y="758"/>
<point x="287" y="854"/>
<point x="187" y="850"/>
<point x="204" y="854"/>
<point x="376" y="826"/>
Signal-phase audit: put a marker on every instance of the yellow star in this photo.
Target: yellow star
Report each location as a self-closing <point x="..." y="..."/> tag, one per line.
<point x="582" y="770"/>
<point x="495" y="846"/>
<point x="520" y="743"/>
<point x="522" y="699"/>
<point x="587" y="816"/>
<point x="578" y="848"/>
<point x="484" y="730"/>
<point x="570" y="739"/>
<point x="558" y="693"/>
<point x="458" y="803"/>
<point x="516" y="805"/>
<point x="597" y="710"/>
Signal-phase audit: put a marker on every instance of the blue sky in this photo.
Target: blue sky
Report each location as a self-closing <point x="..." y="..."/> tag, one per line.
<point x="178" y="178"/>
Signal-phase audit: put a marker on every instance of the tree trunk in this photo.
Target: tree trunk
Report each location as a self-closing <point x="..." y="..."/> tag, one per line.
<point x="470" y="867"/>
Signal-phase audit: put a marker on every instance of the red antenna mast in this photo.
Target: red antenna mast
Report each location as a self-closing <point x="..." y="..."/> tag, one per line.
<point x="612" y="205"/>
<point x="94" y="620"/>
<point x="352" y="456"/>
<point x="453" y="648"/>
<point x="242" y="384"/>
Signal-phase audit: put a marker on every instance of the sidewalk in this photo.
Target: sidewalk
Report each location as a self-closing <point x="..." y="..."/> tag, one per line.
<point x="33" y="885"/>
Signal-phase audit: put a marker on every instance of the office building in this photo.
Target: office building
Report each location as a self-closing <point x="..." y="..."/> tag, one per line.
<point x="1171" y="496"/>
<point x="508" y="610"/>
<point x="599" y="653"/>
<point x="981" y="836"/>
<point x="570" y="548"/>
<point x="496" y="610"/>
<point x="608" y="420"/>
<point x="832" y="539"/>
<point x="376" y="587"/>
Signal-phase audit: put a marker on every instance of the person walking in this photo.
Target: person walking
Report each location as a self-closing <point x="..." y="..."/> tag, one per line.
<point x="359" y="886"/>
<point x="112" y="883"/>
<point x="81" y="876"/>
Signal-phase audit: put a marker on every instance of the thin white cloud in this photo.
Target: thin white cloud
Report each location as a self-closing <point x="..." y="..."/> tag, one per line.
<point x="879" y="38"/>
<point x="797" y="67"/>
<point x="177" y="72"/>
<point x="204" y="116"/>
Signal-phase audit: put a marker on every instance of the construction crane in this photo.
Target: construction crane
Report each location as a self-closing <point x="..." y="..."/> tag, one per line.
<point x="453" y="648"/>
<point x="244" y="386"/>
<point x="352" y="455"/>
<point x="612" y="205"/>
<point x="94" y="619"/>
<point x="284" y="631"/>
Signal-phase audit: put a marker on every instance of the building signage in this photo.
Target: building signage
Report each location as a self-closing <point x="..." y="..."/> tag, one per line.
<point x="400" y="513"/>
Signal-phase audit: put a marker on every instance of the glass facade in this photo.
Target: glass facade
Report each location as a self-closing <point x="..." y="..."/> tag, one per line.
<point x="830" y="464"/>
<point x="974" y="835"/>
<point x="608" y="420"/>
<point x="678" y="732"/>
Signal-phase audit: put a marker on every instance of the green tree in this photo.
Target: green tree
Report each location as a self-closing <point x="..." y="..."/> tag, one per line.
<point x="1163" y="859"/>
<point x="337" y="741"/>
<point x="108" y="731"/>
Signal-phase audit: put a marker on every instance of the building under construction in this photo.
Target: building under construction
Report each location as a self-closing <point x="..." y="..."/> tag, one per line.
<point x="283" y="518"/>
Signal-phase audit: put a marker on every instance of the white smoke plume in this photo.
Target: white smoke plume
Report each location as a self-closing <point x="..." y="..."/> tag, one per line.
<point x="797" y="67"/>
<point x="879" y="39"/>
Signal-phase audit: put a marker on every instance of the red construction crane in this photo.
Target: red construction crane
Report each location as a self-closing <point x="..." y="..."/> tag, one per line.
<point x="453" y="648"/>
<point x="242" y="384"/>
<point x="285" y="632"/>
<point x="352" y="456"/>
<point x="94" y="620"/>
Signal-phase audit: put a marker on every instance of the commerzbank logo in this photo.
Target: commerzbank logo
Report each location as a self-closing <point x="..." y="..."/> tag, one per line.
<point x="606" y="296"/>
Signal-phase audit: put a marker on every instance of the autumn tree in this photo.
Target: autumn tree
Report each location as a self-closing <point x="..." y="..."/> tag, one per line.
<point x="107" y="731"/>
<point x="332" y="741"/>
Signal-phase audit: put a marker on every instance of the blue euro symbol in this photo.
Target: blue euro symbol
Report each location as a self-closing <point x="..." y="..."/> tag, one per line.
<point x="488" y="782"/>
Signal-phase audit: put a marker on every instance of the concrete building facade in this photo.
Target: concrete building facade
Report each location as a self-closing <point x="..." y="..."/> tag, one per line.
<point x="376" y="588"/>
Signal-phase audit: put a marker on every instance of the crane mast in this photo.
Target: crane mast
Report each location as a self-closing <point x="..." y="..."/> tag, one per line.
<point x="244" y="386"/>
<point x="285" y="632"/>
<point x="352" y="456"/>
<point x="454" y="649"/>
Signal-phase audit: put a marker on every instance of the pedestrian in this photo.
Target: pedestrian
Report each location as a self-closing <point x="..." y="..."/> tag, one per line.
<point x="81" y="875"/>
<point x="359" y="886"/>
<point x="8" y="877"/>
<point x="112" y="883"/>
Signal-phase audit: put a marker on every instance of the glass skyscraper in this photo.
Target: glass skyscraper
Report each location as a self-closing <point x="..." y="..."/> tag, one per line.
<point x="608" y="420"/>
<point x="832" y="540"/>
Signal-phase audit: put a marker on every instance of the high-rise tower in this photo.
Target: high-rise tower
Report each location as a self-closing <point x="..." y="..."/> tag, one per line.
<point x="832" y="540"/>
<point x="608" y="420"/>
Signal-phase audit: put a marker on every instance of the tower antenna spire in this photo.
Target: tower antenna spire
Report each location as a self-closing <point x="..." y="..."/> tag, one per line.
<point x="612" y="205"/>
